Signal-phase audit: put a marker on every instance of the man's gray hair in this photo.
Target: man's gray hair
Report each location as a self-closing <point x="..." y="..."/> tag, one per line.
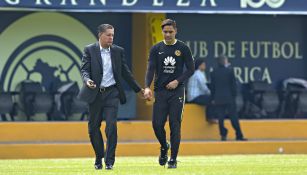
<point x="103" y="28"/>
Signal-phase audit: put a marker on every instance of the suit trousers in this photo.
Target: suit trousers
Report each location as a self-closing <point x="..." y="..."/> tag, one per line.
<point x="228" y="109"/>
<point x="168" y="103"/>
<point x="105" y="107"/>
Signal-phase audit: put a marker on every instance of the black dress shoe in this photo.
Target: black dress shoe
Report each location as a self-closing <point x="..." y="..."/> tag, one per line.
<point x="172" y="164"/>
<point x="163" y="155"/>
<point x="241" y="139"/>
<point x="109" y="167"/>
<point x="98" y="164"/>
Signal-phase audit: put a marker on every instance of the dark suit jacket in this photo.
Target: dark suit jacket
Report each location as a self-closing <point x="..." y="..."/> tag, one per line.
<point x="91" y="68"/>
<point x="223" y="85"/>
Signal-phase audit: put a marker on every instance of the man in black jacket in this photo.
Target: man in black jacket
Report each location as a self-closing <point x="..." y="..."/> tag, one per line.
<point x="166" y="63"/>
<point x="223" y="89"/>
<point x="103" y="65"/>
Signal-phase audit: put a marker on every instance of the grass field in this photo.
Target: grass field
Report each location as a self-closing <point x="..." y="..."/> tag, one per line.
<point x="207" y="165"/>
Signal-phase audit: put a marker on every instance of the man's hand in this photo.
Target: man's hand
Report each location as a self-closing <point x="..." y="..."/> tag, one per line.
<point x="91" y="84"/>
<point x="172" y="85"/>
<point x="141" y="93"/>
<point x="148" y="94"/>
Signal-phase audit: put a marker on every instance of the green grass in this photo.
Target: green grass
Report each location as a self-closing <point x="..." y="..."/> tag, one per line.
<point x="188" y="165"/>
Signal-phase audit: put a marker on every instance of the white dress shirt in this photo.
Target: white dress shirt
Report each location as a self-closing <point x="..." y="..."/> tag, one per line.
<point x="107" y="77"/>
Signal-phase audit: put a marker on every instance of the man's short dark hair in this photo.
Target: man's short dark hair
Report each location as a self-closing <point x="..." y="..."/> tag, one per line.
<point x="103" y="28"/>
<point x="168" y="22"/>
<point x="221" y="59"/>
<point x="198" y="62"/>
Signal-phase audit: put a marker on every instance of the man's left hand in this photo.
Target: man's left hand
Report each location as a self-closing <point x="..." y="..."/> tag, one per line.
<point x="172" y="85"/>
<point x="141" y="93"/>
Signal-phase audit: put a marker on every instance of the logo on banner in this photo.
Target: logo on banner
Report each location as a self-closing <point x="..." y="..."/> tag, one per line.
<point x="260" y="3"/>
<point x="43" y="52"/>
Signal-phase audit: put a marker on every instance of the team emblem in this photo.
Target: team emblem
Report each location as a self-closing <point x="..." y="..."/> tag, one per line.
<point x="178" y="53"/>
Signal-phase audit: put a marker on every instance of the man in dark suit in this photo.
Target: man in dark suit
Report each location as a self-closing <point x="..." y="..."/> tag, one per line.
<point x="223" y="89"/>
<point x="103" y="65"/>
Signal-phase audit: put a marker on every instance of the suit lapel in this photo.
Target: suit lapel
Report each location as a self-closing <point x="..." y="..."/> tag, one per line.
<point x="113" y="60"/>
<point x="98" y="55"/>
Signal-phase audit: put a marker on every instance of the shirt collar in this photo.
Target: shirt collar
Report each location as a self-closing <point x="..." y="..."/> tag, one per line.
<point x="199" y="71"/>
<point x="170" y="44"/>
<point x="104" y="49"/>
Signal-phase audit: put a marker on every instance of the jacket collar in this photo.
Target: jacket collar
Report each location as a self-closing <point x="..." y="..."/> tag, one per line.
<point x="98" y="54"/>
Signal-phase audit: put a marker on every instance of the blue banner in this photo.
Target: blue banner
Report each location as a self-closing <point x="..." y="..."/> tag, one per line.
<point x="165" y="6"/>
<point x="263" y="48"/>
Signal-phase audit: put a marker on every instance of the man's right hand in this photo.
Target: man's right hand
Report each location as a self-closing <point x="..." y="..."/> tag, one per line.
<point x="91" y="84"/>
<point x="148" y="94"/>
